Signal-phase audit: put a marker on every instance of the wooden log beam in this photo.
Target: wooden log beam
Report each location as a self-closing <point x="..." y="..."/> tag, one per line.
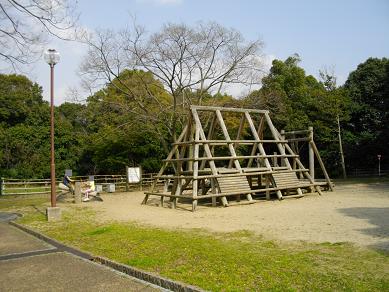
<point x="230" y="157"/>
<point x="224" y="142"/>
<point x="255" y="146"/>
<point x="277" y="137"/>
<point x="226" y="109"/>
<point x="234" y="174"/>
<point x="313" y="145"/>
<point x="297" y="132"/>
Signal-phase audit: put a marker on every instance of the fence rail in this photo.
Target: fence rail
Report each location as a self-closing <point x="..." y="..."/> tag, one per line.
<point x="11" y="186"/>
<point x="359" y="172"/>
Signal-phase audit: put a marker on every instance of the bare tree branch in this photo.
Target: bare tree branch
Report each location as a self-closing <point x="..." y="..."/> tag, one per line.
<point x="26" y="25"/>
<point x="201" y="59"/>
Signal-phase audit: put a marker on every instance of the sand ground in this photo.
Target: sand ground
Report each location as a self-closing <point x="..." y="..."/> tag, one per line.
<point x="357" y="213"/>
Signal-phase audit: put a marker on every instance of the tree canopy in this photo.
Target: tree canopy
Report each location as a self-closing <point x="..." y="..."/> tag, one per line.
<point x="368" y="131"/>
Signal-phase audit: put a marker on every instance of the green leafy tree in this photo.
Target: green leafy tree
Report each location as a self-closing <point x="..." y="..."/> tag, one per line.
<point x="368" y="131"/>
<point x="288" y="94"/>
<point x="297" y="101"/>
<point x="19" y="99"/>
<point x="121" y="136"/>
<point x="25" y="131"/>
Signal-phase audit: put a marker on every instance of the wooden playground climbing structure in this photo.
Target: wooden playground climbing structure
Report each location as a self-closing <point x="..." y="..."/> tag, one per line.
<point x="205" y="163"/>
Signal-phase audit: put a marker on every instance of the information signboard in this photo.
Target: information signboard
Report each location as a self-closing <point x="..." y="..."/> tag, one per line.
<point x="134" y="174"/>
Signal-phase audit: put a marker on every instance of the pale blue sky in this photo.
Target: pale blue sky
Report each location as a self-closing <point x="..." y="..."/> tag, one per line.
<point x="334" y="34"/>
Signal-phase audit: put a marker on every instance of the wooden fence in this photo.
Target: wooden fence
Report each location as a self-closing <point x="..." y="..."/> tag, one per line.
<point x="9" y="186"/>
<point x="367" y="172"/>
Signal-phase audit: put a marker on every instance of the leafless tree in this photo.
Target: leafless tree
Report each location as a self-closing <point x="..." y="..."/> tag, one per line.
<point x="25" y="26"/>
<point x="201" y="59"/>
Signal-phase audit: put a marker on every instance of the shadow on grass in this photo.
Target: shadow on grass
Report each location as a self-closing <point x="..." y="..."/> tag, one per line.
<point x="379" y="217"/>
<point x="42" y="212"/>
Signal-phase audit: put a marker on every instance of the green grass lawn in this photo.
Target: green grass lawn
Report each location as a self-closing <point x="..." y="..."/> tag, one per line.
<point x="239" y="261"/>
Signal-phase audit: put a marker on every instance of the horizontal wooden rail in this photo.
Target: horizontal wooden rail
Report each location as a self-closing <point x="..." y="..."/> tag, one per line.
<point x="227" y="109"/>
<point x="224" y="142"/>
<point x="12" y="186"/>
<point x="229" y="157"/>
<point x="299" y="139"/>
<point x="297" y="132"/>
<point x="228" y="175"/>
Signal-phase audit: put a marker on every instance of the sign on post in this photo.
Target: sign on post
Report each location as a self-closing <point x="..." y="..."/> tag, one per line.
<point x="134" y="176"/>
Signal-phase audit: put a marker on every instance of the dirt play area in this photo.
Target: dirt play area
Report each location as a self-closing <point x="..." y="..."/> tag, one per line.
<point x="357" y="213"/>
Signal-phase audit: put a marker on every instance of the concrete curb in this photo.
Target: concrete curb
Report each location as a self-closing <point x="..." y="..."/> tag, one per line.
<point x="131" y="271"/>
<point x="148" y="277"/>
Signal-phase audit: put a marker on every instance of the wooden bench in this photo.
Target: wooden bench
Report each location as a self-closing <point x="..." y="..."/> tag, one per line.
<point x="232" y="184"/>
<point x="286" y="180"/>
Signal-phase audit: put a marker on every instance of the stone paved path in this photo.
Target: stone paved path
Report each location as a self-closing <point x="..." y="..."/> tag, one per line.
<point x="29" y="264"/>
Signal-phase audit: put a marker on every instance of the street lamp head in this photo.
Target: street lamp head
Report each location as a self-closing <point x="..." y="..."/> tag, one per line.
<point x="51" y="57"/>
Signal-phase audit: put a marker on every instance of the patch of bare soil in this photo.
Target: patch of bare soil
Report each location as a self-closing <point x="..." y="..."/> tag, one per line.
<point x="357" y="213"/>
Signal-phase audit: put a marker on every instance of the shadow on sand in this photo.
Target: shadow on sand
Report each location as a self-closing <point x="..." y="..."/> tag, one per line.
<point x="379" y="217"/>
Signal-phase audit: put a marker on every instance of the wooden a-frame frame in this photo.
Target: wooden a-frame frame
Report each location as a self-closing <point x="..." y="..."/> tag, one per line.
<point x="194" y="170"/>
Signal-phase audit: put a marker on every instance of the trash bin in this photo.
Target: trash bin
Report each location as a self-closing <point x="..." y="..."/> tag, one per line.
<point x="111" y="188"/>
<point x="99" y="188"/>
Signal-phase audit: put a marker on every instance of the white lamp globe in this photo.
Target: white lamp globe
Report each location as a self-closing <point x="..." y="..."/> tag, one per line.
<point x="51" y="57"/>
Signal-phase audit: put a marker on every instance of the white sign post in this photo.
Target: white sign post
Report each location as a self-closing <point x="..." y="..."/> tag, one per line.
<point x="134" y="176"/>
<point x="379" y="164"/>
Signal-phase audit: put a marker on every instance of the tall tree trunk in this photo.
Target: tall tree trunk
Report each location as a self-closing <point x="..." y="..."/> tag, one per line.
<point x="341" y="148"/>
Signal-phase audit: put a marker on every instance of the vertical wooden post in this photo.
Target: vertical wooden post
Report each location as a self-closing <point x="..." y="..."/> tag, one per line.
<point x="195" y="182"/>
<point x="311" y="154"/>
<point x="213" y="187"/>
<point x="127" y="183"/>
<point x="274" y="159"/>
<point x="141" y="178"/>
<point x="191" y="148"/>
<point x="283" y="145"/>
<point x="267" y="186"/>
<point x="341" y="148"/>
<point x="77" y="192"/>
